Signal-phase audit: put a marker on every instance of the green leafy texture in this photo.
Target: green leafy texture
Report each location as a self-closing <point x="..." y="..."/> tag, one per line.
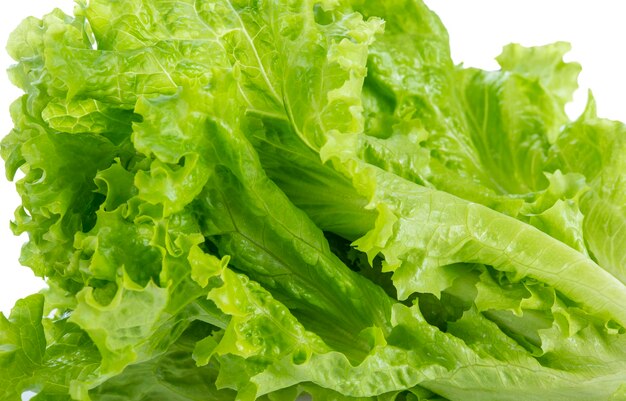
<point x="260" y="328"/>
<point x="411" y="89"/>
<point x="284" y="156"/>
<point x="43" y="356"/>
<point x="116" y="184"/>
<point x="471" y="240"/>
<point x="57" y="190"/>
<point x="179" y="109"/>
<point x="593" y="147"/>
<point x="452" y="230"/>
<point x="118" y="327"/>
<point x="87" y="73"/>
<point x="142" y="295"/>
<point x="556" y="211"/>
<point x="171" y="376"/>
<point x="104" y="252"/>
<point x="593" y="269"/>
<point x="278" y="352"/>
<point x="528" y="319"/>
<point x="532" y="317"/>
<point x="129" y="318"/>
<point x="483" y="136"/>
<point x="451" y="369"/>
<point x="84" y="168"/>
<point x="510" y="120"/>
<point x="515" y="114"/>
<point x="58" y="196"/>
<point x="208" y="151"/>
<point x="266" y="248"/>
<point x="27" y="46"/>
<point x="179" y="172"/>
<point x="544" y="64"/>
<point x="287" y="253"/>
<point x="340" y="38"/>
<point x="86" y="115"/>
<point x="523" y="89"/>
<point x="249" y="219"/>
<point x="23" y="342"/>
<point x="410" y="83"/>
<point x="333" y="370"/>
<point x="174" y="150"/>
<point x="28" y="43"/>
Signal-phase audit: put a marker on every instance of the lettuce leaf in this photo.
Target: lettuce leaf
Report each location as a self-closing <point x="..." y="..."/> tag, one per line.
<point x="238" y="200"/>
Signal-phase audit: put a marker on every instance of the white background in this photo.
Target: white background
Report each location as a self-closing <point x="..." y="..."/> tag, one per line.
<point x="478" y="30"/>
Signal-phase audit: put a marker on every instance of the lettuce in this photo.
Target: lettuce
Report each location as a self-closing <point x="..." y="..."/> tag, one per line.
<point x="234" y="200"/>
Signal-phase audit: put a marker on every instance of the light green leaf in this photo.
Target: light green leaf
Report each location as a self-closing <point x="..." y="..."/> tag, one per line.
<point x="544" y="63"/>
<point x="171" y="376"/>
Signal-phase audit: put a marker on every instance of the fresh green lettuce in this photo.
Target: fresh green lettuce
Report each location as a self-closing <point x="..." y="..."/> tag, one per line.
<point x="239" y="200"/>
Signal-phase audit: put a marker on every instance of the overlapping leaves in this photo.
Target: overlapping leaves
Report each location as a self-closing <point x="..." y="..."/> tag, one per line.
<point x="244" y="200"/>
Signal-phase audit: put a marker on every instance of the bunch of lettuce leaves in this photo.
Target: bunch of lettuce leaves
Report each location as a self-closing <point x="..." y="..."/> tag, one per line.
<point x="240" y="200"/>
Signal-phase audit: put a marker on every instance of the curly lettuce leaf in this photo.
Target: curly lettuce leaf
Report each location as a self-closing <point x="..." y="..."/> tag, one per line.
<point x="183" y="161"/>
<point x="48" y="360"/>
<point x="593" y="147"/>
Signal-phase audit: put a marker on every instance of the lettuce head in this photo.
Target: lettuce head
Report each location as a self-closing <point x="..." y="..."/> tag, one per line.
<point x="241" y="200"/>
